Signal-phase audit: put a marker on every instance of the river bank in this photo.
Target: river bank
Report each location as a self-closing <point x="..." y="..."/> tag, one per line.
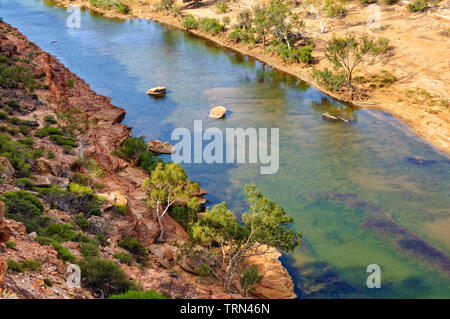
<point x="62" y="94"/>
<point x="419" y="98"/>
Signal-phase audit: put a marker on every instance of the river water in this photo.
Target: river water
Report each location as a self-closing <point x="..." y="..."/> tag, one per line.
<point x="355" y="191"/>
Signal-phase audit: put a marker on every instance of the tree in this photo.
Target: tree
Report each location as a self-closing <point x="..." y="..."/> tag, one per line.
<point x="249" y="278"/>
<point x="283" y="20"/>
<point x="261" y="23"/>
<point x="168" y="184"/>
<point x="132" y="149"/>
<point x="325" y="10"/>
<point x="265" y="225"/>
<point x="348" y="52"/>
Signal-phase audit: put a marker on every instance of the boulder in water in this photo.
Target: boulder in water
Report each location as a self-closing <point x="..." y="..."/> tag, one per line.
<point x="217" y="112"/>
<point x="157" y="91"/>
<point x="160" y="147"/>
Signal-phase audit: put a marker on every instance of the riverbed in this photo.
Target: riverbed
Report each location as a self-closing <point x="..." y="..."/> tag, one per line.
<point x="368" y="192"/>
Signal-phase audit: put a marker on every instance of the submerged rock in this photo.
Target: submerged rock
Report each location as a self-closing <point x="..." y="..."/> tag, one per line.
<point x="157" y="91"/>
<point x="334" y="118"/>
<point x="161" y="148"/>
<point x="217" y="112"/>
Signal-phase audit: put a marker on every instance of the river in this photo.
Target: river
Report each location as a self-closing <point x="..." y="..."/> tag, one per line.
<point x="355" y="191"/>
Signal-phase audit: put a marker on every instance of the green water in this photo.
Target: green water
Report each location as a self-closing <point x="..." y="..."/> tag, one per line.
<point x="351" y="189"/>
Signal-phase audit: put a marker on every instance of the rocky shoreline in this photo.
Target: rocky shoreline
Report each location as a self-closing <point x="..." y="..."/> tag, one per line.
<point x="62" y="91"/>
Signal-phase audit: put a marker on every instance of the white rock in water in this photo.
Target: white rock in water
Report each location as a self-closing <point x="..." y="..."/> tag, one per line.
<point x="157" y="91"/>
<point x="217" y="112"/>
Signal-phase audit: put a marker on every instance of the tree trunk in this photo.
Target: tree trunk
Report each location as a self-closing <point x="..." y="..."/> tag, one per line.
<point x="161" y="226"/>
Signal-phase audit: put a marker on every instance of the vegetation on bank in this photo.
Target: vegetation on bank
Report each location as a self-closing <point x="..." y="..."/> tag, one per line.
<point x="117" y="5"/>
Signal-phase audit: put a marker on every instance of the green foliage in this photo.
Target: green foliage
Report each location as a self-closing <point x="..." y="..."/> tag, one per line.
<point x="117" y="5"/>
<point x="15" y="76"/>
<point x="190" y="22"/>
<point x="101" y="238"/>
<point x="48" y="282"/>
<point x="10" y="244"/>
<point x="28" y="141"/>
<point x="89" y="250"/>
<point x="148" y="161"/>
<point x="119" y="210"/>
<point x="221" y="6"/>
<point x="63" y="141"/>
<point x="136" y="248"/>
<point x="332" y="81"/>
<point x="32" y="264"/>
<point x="80" y="179"/>
<point x="302" y="54"/>
<point x="184" y="216"/>
<point x="135" y="294"/>
<point x="14" y="266"/>
<point x="418" y="6"/>
<point x="202" y="271"/>
<point x="368" y="1"/>
<point x="132" y="149"/>
<point x="24" y="183"/>
<point x="164" y="5"/>
<point x="70" y="83"/>
<point x="63" y="253"/>
<point x="105" y="275"/>
<point x="50" y="119"/>
<point x="81" y="222"/>
<point x="47" y="131"/>
<point x="80" y="189"/>
<point x="244" y="19"/>
<point x="249" y="278"/>
<point x="240" y="35"/>
<point x="18" y="155"/>
<point x="265" y="223"/>
<point x="124" y="258"/>
<point x="210" y="25"/>
<point x="26" y="208"/>
<point x="390" y="2"/>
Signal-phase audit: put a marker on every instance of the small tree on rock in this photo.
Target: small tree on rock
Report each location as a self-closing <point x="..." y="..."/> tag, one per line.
<point x="168" y="184"/>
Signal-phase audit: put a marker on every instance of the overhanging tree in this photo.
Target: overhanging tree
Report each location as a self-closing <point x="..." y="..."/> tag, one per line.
<point x="263" y="227"/>
<point x="167" y="185"/>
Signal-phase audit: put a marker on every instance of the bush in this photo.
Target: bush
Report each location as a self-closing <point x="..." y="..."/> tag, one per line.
<point x="390" y="2"/>
<point x="47" y="131"/>
<point x="101" y="238"/>
<point x="18" y="155"/>
<point x="89" y="250"/>
<point x="135" y="294"/>
<point x="417" y="6"/>
<point x="28" y="141"/>
<point x="24" y="207"/>
<point x="14" y="266"/>
<point x="105" y="275"/>
<point x="333" y="82"/>
<point x="48" y="282"/>
<point x="119" y="210"/>
<point x="132" y="149"/>
<point x="134" y="247"/>
<point x="117" y="5"/>
<point x="81" y="222"/>
<point x="24" y="183"/>
<point x="210" y="25"/>
<point x="190" y="22"/>
<point x="148" y="161"/>
<point x="302" y="54"/>
<point x="32" y="264"/>
<point x="80" y="189"/>
<point x="124" y="258"/>
<point x="63" y="253"/>
<point x="50" y="119"/>
<point x="249" y="278"/>
<point x="368" y="1"/>
<point x="184" y="216"/>
<point x="221" y="6"/>
<point x="10" y="244"/>
<point x="14" y="76"/>
<point x="202" y="271"/>
<point x="80" y="179"/>
<point x="240" y="35"/>
<point x="63" y="141"/>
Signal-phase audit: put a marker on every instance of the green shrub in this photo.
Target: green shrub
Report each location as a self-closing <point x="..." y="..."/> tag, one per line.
<point x="63" y="141"/>
<point x="148" y="161"/>
<point x="89" y="250"/>
<point x="32" y="264"/>
<point x="80" y="179"/>
<point x="47" y="131"/>
<point x="10" y="244"/>
<point x="249" y="278"/>
<point x="184" y="216"/>
<point x="51" y="154"/>
<point x="240" y="35"/>
<point x="190" y="22"/>
<point x="28" y="141"/>
<point x="134" y="247"/>
<point x="81" y="222"/>
<point x="132" y="149"/>
<point x="390" y="2"/>
<point x="24" y="183"/>
<point x="14" y="266"/>
<point x="202" y="271"/>
<point x="117" y="5"/>
<point x="50" y="119"/>
<point x="18" y="155"/>
<point x="48" y="282"/>
<point x="105" y="275"/>
<point x="119" y="210"/>
<point x="418" y="6"/>
<point x="331" y="81"/>
<point x="80" y="189"/>
<point x="135" y="294"/>
<point x="101" y="238"/>
<point x="221" y="6"/>
<point x="302" y="54"/>
<point x="124" y="258"/>
<point x="14" y="76"/>
<point x="63" y="253"/>
<point x="210" y="25"/>
<point x="24" y="207"/>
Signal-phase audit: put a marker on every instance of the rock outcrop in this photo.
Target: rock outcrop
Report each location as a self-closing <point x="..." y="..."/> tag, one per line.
<point x="6" y="169"/>
<point x="161" y="147"/>
<point x="5" y="234"/>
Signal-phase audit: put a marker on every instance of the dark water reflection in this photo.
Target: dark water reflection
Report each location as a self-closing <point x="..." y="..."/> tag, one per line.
<point x="370" y="158"/>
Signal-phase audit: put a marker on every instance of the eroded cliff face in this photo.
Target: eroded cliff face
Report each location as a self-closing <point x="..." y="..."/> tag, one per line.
<point x="60" y="93"/>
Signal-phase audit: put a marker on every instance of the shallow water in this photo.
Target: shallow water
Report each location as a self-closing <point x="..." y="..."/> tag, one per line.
<point x="353" y="190"/>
